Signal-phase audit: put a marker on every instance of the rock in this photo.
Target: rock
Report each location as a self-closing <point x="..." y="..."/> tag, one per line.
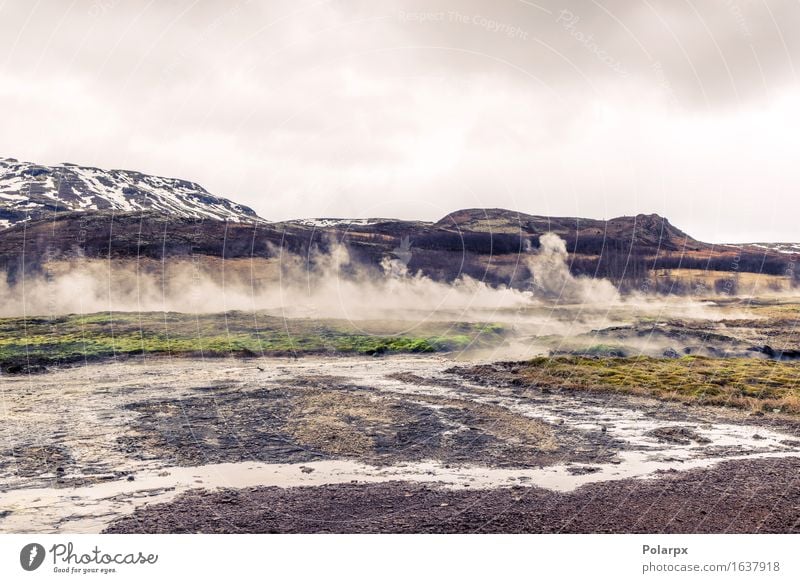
<point x="677" y="434"/>
<point x="583" y="470"/>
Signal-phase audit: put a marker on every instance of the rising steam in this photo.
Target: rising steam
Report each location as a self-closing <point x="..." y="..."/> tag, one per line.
<point x="322" y="285"/>
<point x="553" y="280"/>
<point x="332" y="285"/>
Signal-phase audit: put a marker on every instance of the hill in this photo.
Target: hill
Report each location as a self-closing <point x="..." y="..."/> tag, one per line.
<point x="68" y="212"/>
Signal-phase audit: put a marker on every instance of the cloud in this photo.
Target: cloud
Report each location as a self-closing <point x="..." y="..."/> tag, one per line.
<point x="416" y="108"/>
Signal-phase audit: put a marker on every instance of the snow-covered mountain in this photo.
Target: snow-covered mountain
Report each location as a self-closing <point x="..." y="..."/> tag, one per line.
<point x="31" y="191"/>
<point x="785" y="248"/>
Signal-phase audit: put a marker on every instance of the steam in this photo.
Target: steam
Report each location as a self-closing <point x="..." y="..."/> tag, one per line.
<point x="331" y="285"/>
<point x="322" y="285"/>
<point x="553" y="280"/>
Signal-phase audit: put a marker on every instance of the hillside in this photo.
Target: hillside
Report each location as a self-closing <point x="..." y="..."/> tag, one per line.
<point x="31" y="191"/>
<point x="69" y="212"/>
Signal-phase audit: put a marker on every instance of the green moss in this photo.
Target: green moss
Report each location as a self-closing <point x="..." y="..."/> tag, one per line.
<point x="232" y="333"/>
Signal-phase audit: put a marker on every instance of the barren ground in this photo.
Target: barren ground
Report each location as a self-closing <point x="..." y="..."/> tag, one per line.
<point x="125" y="446"/>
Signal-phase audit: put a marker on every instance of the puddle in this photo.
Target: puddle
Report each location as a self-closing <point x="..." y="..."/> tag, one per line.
<point x="90" y="509"/>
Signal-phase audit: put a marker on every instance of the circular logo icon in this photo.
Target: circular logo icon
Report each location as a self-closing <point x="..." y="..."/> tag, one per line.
<point x="31" y="556"/>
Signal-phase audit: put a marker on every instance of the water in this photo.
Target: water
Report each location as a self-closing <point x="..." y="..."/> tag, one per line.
<point x="83" y="409"/>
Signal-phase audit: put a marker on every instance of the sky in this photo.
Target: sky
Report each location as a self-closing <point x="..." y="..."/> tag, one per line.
<point x="413" y="109"/>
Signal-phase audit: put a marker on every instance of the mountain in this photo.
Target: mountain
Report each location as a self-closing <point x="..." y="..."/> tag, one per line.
<point x="784" y="248"/>
<point x="626" y="250"/>
<point x="32" y="191"/>
<point x="74" y="214"/>
<point x="589" y="235"/>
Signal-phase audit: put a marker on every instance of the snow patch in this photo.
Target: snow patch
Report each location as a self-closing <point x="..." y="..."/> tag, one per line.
<point x="328" y="222"/>
<point x="71" y="187"/>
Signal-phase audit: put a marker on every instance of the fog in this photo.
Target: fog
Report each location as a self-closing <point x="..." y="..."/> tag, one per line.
<point x="331" y="285"/>
<point x="553" y="279"/>
<point x="320" y="285"/>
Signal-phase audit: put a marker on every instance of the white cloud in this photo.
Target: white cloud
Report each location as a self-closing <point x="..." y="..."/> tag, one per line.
<point x="354" y="109"/>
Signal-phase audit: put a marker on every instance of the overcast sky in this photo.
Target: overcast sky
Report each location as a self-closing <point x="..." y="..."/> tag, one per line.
<point x="413" y="109"/>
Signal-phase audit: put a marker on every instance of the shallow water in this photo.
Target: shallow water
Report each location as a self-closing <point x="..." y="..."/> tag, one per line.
<point x="90" y="509"/>
<point x="83" y="409"/>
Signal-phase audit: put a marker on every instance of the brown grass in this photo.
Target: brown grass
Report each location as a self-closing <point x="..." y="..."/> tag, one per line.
<point x="331" y="421"/>
<point x="746" y="383"/>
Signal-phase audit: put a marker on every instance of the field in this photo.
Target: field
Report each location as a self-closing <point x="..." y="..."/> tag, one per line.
<point x="753" y="384"/>
<point x="544" y="420"/>
<point x="32" y="343"/>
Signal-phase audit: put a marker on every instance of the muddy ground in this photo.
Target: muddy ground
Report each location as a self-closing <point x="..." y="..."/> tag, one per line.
<point x="396" y="444"/>
<point x="760" y="496"/>
<point x="323" y="417"/>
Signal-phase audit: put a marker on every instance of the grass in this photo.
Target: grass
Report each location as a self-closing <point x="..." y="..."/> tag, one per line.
<point x="93" y="336"/>
<point x="747" y="383"/>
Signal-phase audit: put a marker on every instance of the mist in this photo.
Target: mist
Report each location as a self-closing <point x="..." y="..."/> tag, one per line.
<point x="320" y="285"/>
<point x="553" y="280"/>
<point x="331" y="285"/>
